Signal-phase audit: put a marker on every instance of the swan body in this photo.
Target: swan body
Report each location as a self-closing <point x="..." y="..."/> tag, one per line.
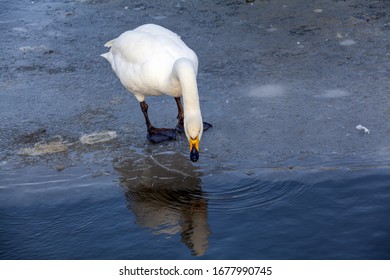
<point x="151" y="60"/>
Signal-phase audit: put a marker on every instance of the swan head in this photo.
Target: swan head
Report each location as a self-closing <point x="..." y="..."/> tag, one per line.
<point x="193" y="128"/>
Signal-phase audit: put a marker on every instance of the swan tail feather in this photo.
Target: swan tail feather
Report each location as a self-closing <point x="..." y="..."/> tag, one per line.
<point x="109" y="43"/>
<point x="107" y="56"/>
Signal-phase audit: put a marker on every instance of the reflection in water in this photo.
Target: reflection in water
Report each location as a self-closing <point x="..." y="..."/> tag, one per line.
<point x="164" y="193"/>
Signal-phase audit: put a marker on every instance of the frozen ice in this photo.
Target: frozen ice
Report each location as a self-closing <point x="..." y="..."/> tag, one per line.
<point x="360" y="128"/>
<point x="98" y="137"/>
<point x="33" y="48"/>
<point x="20" y="29"/>
<point x="271" y="29"/>
<point x="335" y="93"/>
<point x="42" y="148"/>
<point x="267" y="91"/>
<point x="159" y="17"/>
<point x="293" y="61"/>
<point x="348" y="42"/>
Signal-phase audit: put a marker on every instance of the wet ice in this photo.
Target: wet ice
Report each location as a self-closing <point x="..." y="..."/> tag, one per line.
<point x="98" y="137"/>
<point x="267" y="91"/>
<point x="348" y="42"/>
<point x="335" y="93"/>
<point x="43" y="148"/>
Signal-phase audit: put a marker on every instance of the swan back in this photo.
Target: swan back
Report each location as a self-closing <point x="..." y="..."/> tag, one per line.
<point x="143" y="60"/>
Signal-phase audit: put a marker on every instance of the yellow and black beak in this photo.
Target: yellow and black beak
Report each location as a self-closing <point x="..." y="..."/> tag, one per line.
<point x="194" y="149"/>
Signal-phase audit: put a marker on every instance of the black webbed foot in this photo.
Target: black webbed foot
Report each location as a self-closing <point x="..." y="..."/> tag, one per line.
<point x="206" y="126"/>
<point x="180" y="128"/>
<point x="158" y="135"/>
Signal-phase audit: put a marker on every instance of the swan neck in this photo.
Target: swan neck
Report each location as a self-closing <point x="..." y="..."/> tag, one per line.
<point x="185" y="73"/>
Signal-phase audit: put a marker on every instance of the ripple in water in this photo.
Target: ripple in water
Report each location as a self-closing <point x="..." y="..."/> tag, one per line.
<point x="227" y="193"/>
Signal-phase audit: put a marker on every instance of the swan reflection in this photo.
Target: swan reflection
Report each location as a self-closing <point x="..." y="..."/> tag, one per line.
<point x="164" y="193"/>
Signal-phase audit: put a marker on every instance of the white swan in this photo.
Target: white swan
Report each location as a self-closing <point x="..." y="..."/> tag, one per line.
<point x="152" y="60"/>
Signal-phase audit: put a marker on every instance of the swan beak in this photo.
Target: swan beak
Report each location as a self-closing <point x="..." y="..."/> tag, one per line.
<point x="194" y="148"/>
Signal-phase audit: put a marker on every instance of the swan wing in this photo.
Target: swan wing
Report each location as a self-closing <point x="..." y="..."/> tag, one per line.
<point x="150" y="42"/>
<point x="143" y="58"/>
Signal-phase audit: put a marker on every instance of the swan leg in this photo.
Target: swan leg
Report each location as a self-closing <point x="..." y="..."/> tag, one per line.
<point x="180" y="116"/>
<point x="144" y="108"/>
<point x="156" y="135"/>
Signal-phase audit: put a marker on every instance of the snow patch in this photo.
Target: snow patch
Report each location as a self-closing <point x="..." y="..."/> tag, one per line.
<point x="271" y="29"/>
<point x="20" y="29"/>
<point x="159" y="17"/>
<point x="33" y="48"/>
<point x="267" y="91"/>
<point x="43" y="148"/>
<point x="362" y="128"/>
<point x="348" y="42"/>
<point x="98" y="137"/>
<point x="335" y="93"/>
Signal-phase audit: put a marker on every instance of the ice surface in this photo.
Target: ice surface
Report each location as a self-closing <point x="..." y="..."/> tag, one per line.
<point x="98" y="137"/>
<point x="348" y="42"/>
<point x="20" y="29"/>
<point x="255" y="81"/>
<point x="159" y="17"/>
<point x="43" y="148"/>
<point x="267" y="91"/>
<point x="33" y="48"/>
<point x="271" y="29"/>
<point x="335" y="93"/>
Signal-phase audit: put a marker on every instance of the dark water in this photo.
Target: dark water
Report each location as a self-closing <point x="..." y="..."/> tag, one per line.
<point x="149" y="209"/>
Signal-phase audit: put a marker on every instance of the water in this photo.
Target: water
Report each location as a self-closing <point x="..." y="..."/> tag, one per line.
<point x="165" y="210"/>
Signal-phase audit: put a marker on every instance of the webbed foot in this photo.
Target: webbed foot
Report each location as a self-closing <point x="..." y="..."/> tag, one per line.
<point x="158" y="135"/>
<point x="179" y="128"/>
<point x="206" y="126"/>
